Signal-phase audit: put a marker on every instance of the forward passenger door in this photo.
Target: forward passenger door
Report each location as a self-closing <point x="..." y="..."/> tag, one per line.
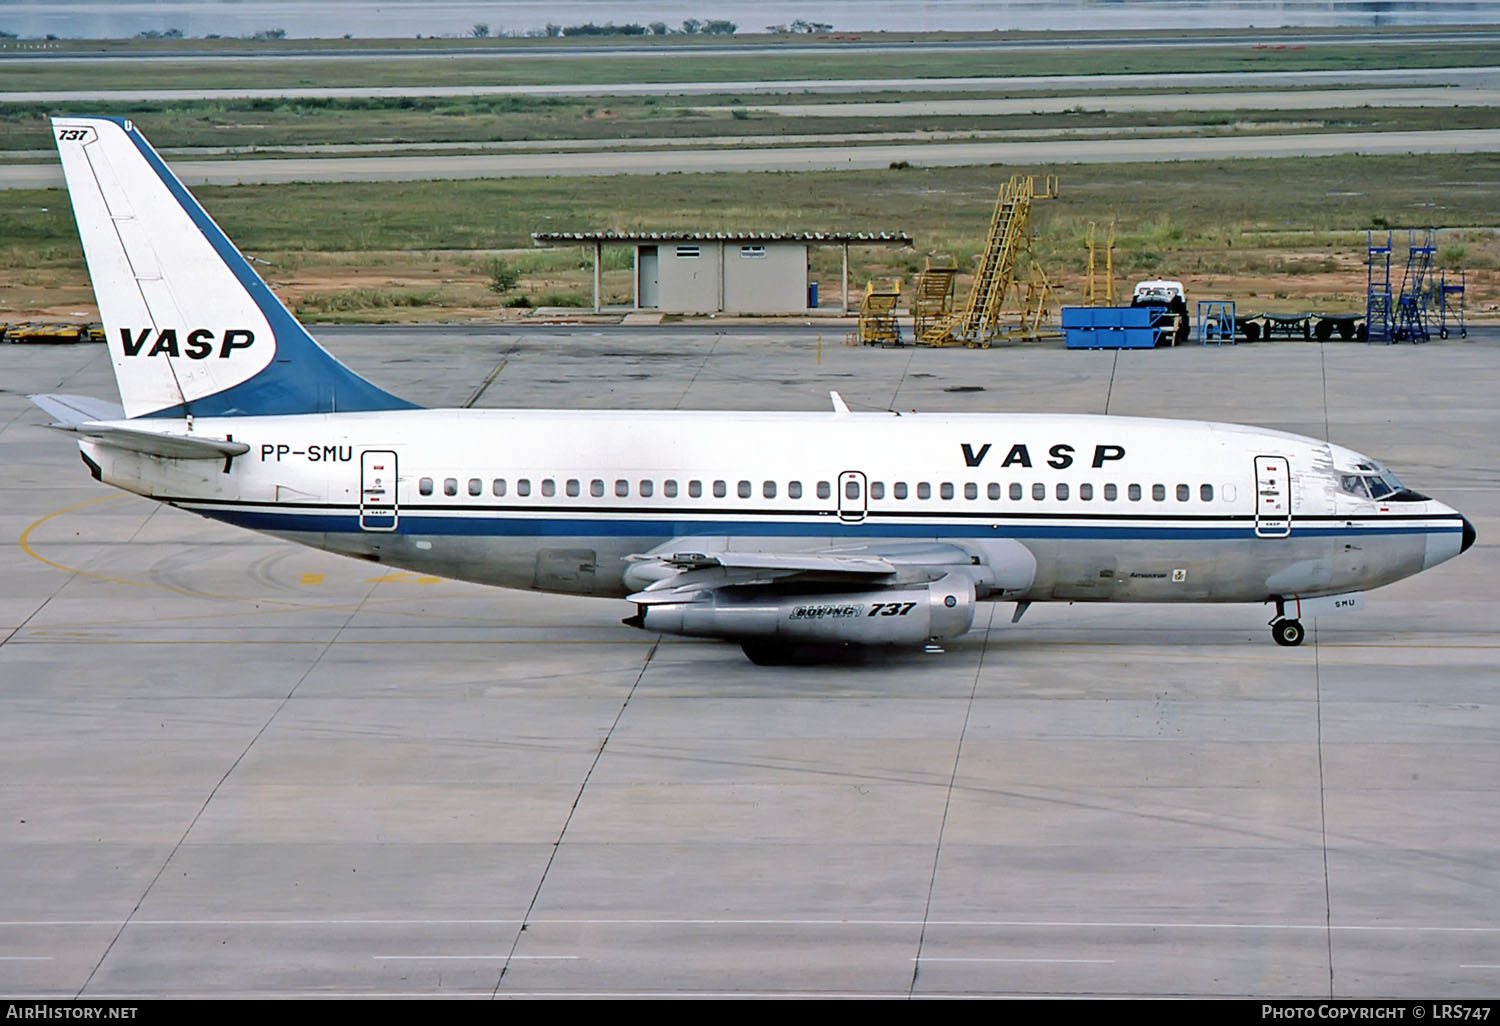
<point x="1273" y="497"/>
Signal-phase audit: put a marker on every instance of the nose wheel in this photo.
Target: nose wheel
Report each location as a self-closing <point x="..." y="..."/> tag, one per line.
<point x="1287" y="632"/>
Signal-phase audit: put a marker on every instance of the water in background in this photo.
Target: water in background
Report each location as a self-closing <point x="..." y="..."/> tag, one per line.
<point x="106" y="19"/>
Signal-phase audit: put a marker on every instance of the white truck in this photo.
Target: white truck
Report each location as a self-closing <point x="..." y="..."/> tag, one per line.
<point x="1159" y="292"/>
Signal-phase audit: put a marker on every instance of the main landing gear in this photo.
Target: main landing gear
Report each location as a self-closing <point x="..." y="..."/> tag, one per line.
<point x="1284" y="631"/>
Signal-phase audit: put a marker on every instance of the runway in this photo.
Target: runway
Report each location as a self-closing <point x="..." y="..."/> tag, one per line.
<point x="238" y="768"/>
<point x="1481" y="76"/>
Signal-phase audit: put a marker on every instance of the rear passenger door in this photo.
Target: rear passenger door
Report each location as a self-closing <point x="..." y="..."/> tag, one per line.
<point x="377" y="490"/>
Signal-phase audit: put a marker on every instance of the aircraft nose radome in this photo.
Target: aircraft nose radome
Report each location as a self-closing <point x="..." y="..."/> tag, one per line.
<point x="1469" y="535"/>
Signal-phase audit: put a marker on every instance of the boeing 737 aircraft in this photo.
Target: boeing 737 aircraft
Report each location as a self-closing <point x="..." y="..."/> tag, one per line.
<point x="773" y="530"/>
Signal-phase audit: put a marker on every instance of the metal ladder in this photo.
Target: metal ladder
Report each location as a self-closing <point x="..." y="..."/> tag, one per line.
<point x="1411" y="305"/>
<point x="1378" y="326"/>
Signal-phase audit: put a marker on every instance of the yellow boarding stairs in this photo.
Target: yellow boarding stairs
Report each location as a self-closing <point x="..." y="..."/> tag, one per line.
<point x="1093" y="296"/>
<point x="977" y="324"/>
<point x="877" y="317"/>
<point x="932" y="296"/>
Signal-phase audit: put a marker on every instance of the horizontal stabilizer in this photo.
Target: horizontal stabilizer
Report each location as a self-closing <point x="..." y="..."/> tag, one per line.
<point x="152" y="443"/>
<point x="176" y="447"/>
<point x="77" y="409"/>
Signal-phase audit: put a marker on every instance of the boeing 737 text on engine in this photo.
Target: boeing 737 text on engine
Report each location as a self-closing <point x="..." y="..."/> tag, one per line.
<point x="773" y="530"/>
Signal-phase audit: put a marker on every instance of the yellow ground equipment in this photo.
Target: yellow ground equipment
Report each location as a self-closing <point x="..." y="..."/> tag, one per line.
<point x="36" y="332"/>
<point x="932" y="297"/>
<point x="1092" y="295"/>
<point x="877" y="317"/>
<point x="1007" y="251"/>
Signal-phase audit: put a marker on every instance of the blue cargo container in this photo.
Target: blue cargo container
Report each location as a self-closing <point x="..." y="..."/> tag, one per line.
<point x="1112" y="327"/>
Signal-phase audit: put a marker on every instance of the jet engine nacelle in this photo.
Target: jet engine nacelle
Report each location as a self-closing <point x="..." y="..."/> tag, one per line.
<point x="895" y="616"/>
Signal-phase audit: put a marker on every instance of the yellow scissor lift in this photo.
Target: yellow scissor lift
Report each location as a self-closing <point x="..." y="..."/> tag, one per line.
<point x="977" y="324"/>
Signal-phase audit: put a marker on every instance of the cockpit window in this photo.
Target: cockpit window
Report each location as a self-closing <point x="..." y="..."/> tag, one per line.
<point x="1354" y="485"/>
<point x="1372" y="482"/>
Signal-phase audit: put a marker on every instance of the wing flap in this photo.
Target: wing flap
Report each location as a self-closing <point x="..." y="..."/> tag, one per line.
<point x="798" y="562"/>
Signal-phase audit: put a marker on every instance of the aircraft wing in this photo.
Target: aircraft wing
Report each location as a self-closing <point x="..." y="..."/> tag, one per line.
<point x="686" y="565"/>
<point x="83" y="415"/>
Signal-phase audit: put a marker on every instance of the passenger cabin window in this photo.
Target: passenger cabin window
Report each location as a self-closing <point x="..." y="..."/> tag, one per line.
<point x="899" y="489"/>
<point x="1159" y="492"/>
<point x="971" y="490"/>
<point x="1086" y="492"/>
<point x="994" y="490"/>
<point x="523" y="486"/>
<point x="1184" y="493"/>
<point x="450" y="486"/>
<point x="1062" y="492"/>
<point x="1038" y="491"/>
<point x="851" y="489"/>
<point x="720" y="489"/>
<point x="695" y="489"/>
<point x="743" y="490"/>
<point x="476" y="486"/>
<point x="645" y="488"/>
<point x="768" y="489"/>
<point x="877" y="489"/>
<point x="1111" y="493"/>
<point x="1206" y="492"/>
<point x="424" y="486"/>
<point x="596" y="488"/>
<point x="573" y="488"/>
<point x="549" y="487"/>
<point x="1134" y="491"/>
<point x="946" y="489"/>
<point x="1015" y="490"/>
<point x="622" y="489"/>
<point x="794" y="489"/>
<point x="497" y="486"/>
<point x="669" y="488"/>
<point x="825" y="490"/>
<point x="924" y="490"/>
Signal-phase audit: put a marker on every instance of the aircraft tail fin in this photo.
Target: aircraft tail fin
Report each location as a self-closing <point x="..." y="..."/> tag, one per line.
<point x="191" y="328"/>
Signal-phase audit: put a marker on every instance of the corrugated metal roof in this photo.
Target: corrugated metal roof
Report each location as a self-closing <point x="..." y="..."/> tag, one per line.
<point x="817" y="238"/>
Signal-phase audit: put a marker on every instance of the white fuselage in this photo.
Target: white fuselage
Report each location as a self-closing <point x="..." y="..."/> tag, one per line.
<point x="1110" y="508"/>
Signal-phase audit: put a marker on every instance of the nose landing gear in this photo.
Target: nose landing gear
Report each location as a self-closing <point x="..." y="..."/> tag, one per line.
<point x="1285" y="631"/>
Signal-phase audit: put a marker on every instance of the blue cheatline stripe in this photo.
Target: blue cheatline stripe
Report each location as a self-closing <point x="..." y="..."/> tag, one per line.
<point x="304" y="377"/>
<point x="536" y="527"/>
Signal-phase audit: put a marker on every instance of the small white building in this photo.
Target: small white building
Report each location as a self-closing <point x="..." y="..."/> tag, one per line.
<point x="721" y="272"/>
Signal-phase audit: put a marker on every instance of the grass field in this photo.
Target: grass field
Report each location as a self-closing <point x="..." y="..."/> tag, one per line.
<point x="1289" y="229"/>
